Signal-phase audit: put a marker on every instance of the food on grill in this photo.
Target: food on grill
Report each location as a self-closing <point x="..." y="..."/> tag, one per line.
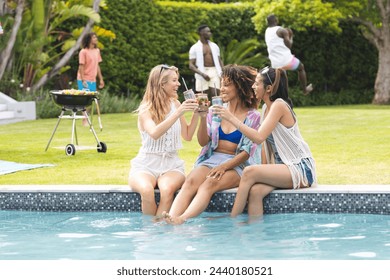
<point x="78" y="92"/>
<point x="74" y="98"/>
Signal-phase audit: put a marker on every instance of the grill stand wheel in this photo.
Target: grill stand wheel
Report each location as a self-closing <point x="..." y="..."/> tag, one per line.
<point x="102" y="147"/>
<point x="70" y="150"/>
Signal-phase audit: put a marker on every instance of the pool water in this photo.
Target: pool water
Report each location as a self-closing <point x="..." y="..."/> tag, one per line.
<point x="212" y="236"/>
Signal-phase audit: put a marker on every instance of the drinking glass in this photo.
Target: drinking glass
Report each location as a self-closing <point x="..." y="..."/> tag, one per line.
<point x="203" y="101"/>
<point x="189" y="94"/>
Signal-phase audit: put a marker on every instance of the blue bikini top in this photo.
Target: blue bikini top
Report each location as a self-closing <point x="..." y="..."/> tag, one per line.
<point x="233" y="137"/>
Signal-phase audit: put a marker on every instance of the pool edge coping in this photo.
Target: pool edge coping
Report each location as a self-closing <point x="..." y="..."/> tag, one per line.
<point x="125" y="188"/>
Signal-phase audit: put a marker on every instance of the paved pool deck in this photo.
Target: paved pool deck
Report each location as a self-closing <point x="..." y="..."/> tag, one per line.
<point x="372" y="199"/>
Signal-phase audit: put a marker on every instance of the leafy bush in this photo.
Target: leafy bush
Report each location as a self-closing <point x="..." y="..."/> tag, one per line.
<point x="155" y="32"/>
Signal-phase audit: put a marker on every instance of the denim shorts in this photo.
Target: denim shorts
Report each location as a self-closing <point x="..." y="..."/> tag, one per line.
<point x="306" y="172"/>
<point x="217" y="159"/>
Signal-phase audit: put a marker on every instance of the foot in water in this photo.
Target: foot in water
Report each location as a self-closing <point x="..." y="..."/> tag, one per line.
<point x="172" y="220"/>
<point x="158" y="218"/>
<point x="308" y="89"/>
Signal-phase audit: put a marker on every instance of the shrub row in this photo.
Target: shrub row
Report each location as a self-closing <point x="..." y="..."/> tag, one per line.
<point x="342" y="67"/>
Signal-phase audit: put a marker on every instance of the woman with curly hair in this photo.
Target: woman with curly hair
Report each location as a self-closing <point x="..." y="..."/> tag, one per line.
<point x="161" y="122"/>
<point x="226" y="151"/>
<point x="287" y="162"/>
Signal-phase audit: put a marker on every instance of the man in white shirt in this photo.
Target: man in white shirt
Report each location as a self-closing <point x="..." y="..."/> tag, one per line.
<point x="206" y="63"/>
<point x="279" y="41"/>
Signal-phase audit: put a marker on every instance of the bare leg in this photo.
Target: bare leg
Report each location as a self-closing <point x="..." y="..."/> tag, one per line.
<point x="202" y="198"/>
<point x="168" y="184"/>
<point x="303" y="80"/>
<point x="84" y="121"/>
<point x="277" y="175"/>
<point x="256" y="196"/>
<point x="144" y="184"/>
<point x="188" y="190"/>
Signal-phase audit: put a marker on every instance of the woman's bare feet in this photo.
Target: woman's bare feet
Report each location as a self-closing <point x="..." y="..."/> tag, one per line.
<point x="158" y="218"/>
<point x="172" y="220"/>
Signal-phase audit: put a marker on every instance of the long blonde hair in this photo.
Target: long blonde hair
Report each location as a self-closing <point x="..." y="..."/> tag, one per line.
<point x="155" y="99"/>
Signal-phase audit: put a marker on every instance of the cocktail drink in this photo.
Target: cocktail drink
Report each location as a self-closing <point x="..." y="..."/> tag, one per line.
<point x="203" y="101"/>
<point x="217" y="100"/>
<point x="189" y="94"/>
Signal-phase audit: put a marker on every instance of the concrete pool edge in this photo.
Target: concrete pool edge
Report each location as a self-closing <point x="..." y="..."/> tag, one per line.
<point x="372" y="199"/>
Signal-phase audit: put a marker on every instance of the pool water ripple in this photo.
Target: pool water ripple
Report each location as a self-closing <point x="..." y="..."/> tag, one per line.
<point x="123" y="235"/>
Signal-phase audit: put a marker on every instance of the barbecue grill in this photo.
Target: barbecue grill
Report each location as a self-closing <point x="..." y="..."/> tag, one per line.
<point x="75" y="101"/>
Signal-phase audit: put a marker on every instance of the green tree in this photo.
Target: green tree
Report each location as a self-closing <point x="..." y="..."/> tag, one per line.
<point x="5" y="54"/>
<point x="43" y="49"/>
<point x="372" y="15"/>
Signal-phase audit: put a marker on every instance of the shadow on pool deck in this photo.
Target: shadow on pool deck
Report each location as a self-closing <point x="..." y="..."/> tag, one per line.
<point x="372" y="199"/>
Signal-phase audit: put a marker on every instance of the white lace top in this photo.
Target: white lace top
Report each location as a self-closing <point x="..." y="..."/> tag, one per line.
<point x="292" y="149"/>
<point x="170" y="141"/>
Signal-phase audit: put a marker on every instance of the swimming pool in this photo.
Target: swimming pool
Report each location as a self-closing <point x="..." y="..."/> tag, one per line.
<point x="31" y="235"/>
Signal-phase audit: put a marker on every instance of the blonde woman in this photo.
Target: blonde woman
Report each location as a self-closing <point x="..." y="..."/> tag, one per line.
<point x="161" y="123"/>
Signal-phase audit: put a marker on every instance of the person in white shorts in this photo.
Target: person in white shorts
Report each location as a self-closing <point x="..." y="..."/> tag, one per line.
<point x="161" y="122"/>
<point x="206" y="63"/>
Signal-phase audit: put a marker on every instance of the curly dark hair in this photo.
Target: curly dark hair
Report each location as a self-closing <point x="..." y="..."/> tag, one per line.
<point x="87" y="39"/>
<point x="243" y="78"/>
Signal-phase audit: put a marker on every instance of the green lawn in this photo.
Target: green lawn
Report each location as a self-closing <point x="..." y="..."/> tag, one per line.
<point x="351" y="145"/>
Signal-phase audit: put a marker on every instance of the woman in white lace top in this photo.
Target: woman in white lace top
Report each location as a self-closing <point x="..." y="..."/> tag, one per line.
<point x="286" y="157"/>
<point x="161" y="123"/>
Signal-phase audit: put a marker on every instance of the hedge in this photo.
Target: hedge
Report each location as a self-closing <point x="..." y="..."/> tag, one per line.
<point x="342" y="67"/>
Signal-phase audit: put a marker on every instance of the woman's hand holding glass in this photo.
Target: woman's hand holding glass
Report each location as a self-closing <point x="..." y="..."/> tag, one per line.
<point x="189" y="105"/>
<point x="223" y="112"/>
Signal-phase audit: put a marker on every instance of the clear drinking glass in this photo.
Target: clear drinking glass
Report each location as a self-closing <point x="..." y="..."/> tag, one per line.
<point x="217" y="100"/>
<point x="189" y="94"/>
<point x="203" y="101"/>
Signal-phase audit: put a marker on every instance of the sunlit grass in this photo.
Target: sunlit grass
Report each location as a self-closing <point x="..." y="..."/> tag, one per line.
<point x="351" y="145"/>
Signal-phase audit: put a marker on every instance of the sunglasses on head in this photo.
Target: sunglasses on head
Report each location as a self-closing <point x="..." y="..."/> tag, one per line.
<point x="164" y="66"/>
<point x="265" y="71"/>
